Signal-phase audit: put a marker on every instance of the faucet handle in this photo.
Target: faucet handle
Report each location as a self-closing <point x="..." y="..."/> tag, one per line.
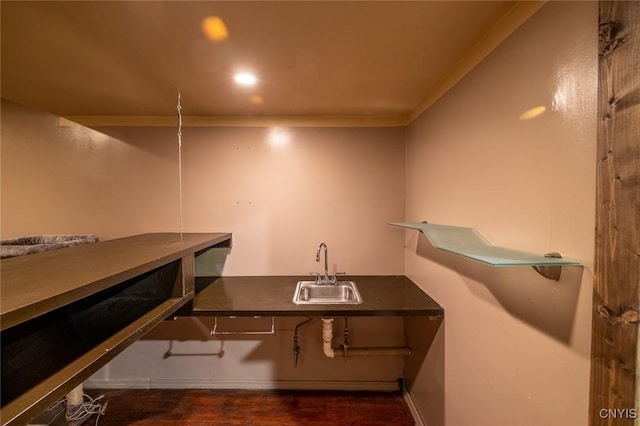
<point x="315" y="274"/>
<point x="334" y="278"/>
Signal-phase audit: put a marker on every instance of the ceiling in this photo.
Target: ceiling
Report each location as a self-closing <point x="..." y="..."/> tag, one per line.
<point x="386" y="59"/>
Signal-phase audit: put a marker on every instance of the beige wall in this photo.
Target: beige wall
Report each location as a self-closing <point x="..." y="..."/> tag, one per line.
<point x="279" y="191"/>
<point x="71" y="179"/>
<point x="515" y="346"/>
<point x="283" y="191"/>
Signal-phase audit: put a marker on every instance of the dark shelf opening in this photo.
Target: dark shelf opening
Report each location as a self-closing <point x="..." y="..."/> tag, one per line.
<point x="36" y="349"/>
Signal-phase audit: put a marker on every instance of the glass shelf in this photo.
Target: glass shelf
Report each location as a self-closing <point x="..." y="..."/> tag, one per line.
<point x="471" y="244"/>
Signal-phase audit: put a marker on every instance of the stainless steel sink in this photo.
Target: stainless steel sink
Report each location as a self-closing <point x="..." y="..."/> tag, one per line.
<point x="312" y="293"/>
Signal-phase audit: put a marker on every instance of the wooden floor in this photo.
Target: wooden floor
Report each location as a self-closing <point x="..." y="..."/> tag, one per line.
<point x="252" y="408"/>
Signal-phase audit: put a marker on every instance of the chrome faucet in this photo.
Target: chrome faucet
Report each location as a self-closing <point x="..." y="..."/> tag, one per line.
<point x="325" y="279"/>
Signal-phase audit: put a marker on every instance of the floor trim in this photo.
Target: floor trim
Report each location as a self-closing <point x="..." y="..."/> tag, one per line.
<point x="413" y="409"/>
<point x="240" y="384"/>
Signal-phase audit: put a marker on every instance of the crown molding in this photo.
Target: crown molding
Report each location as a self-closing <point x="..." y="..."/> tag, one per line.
<point x="253" y="121"/>
<point x="512" y="20"/>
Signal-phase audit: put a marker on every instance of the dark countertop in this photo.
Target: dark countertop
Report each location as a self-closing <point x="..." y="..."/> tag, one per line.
<point x="388" y="295"/>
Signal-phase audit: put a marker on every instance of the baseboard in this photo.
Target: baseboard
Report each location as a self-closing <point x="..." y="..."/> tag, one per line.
<point x="413" y="409"/>
<point x="382" y="386"/>
<point x="117" y="384"/>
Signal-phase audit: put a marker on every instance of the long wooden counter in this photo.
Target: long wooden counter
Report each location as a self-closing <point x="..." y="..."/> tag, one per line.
<point x="66" y="313"/>
<point x="392" y="295"/>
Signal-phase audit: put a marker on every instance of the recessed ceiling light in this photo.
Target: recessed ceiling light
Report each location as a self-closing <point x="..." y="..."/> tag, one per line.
<point x="245" y="79"/>
<point x="214" y="28"/>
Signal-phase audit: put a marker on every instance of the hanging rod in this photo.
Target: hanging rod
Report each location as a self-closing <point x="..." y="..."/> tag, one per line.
<point x="216" y="332"/>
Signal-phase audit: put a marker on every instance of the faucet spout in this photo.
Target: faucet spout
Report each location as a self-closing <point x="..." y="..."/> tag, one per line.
<point x="325" y="279"/>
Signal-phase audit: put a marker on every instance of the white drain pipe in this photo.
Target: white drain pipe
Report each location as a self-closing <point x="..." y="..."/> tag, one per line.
<point x="329" y="351"/>
<point x="327" y="337"/>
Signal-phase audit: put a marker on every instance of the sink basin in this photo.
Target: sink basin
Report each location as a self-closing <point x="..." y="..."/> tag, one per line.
<point x="310" y="293"/>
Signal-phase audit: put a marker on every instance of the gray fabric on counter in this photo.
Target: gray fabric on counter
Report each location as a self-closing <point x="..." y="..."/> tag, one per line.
<point x="39" y="243"/>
